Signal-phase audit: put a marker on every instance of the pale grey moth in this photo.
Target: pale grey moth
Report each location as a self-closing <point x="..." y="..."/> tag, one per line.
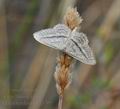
<point x="62" y="38"/>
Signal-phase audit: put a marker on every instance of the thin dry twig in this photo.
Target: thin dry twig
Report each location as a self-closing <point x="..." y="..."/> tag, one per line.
<point x="110" y="20"/>
<point x="4" y="74"/>
<point x="60" y="104"/>
<point x="43" y="83"/>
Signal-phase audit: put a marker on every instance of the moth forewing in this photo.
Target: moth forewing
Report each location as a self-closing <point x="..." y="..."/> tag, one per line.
<point x="40" y="37"/>
<point x="79" y="48"/>
<point x="80" y="53"/>
<point x="62" y="29"/>
<point x="80" y="37"/>
<point x="45" y="33"/>
<point x="53" y="37"/>
<point x="89" y="54"/>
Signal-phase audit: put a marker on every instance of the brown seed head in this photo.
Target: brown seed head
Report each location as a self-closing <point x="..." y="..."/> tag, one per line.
<point x="72" y="18"/>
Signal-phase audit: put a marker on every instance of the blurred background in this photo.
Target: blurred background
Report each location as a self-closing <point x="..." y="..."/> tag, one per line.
<point x="27" y="67"/>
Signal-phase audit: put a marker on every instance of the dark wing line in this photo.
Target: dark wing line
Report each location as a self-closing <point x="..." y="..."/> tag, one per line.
<point x="53" y="37"/>
<point x="79" y="48"/>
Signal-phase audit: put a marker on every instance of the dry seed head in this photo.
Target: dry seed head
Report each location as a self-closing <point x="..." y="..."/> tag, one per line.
<point x="72" y="18"/>
<point x="63" y="78"/>
<point x="62" y="74"/>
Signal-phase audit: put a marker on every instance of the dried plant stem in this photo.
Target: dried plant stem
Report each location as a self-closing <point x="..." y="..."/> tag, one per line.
<point x="62" y="74"/>
<point x="60" y="104"/>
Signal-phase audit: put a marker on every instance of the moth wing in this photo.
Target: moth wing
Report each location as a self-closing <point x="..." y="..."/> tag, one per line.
<point x="80" y="38"/>
<point x="79" y="49"/>
<point x="62" y="28"/>
<point x="53" y="37"/>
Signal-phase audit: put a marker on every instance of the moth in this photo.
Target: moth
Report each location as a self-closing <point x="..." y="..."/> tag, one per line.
<point x="72" y="42"/>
